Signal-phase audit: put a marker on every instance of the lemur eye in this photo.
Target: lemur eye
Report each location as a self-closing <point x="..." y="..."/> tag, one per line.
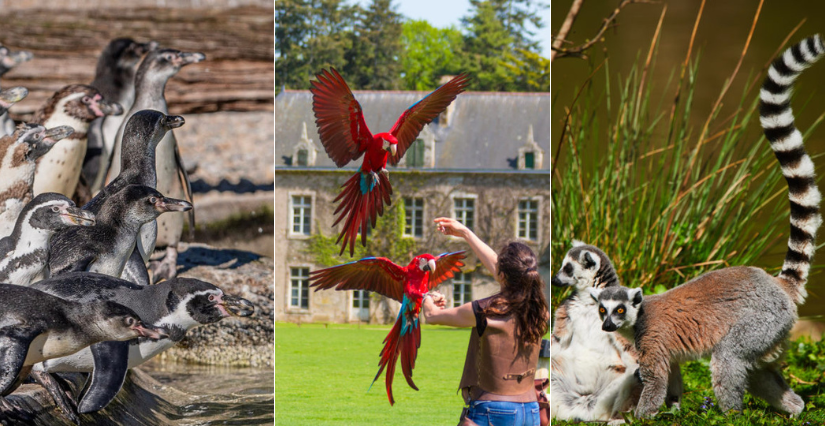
<point x="620" y="311"/>
<point x="601" y="310"/>
<point x="55" y="209"/>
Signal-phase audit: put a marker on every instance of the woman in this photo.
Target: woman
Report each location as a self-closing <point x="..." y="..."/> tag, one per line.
<point x="497" y="383"/>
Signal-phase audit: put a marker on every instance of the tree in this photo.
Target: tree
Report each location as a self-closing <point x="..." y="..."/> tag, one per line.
<point x="374" y="61"/>
<point x="429" y="54"/>
<point x="529" y="70"/>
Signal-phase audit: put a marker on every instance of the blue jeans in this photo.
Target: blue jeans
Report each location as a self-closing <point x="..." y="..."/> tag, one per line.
<point x="500" y="413"/>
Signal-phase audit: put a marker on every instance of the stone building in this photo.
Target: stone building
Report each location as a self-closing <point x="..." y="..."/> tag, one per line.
<point x="484" y="161"/>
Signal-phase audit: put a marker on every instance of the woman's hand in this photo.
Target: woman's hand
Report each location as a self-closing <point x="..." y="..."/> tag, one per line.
<point x="450" y="226"/>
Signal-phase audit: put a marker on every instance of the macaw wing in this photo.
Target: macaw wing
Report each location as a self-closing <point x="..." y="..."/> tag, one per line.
<point x="446" y="265"/>
<point x="339" y="118"/>
<point x="377" y="274"/>
<point x="409" y="125"/>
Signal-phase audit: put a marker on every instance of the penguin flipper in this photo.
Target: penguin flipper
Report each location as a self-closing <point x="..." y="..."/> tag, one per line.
<point x="95" y="153"/>
<point x="111" y="363"/>
<point x="187" y="189"/>
<point x="135" y="269"/>
<point x="14" y="346"/>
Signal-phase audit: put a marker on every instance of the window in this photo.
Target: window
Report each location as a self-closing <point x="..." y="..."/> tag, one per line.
<point x="299" y="288"/>
<point x="415" y="154"/>
<point x="462" y="289"/>
<point x="361" y="299"/>
<point x="529" y="160"/>
<point x="301" y="214"/>
<point x="464" y="208"/>
<point x="414" y="217"/>
<point x="528" y="219"/>
<point x="303" y="157"/>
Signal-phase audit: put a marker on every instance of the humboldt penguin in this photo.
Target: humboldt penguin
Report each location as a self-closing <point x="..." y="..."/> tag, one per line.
<point x="25" y="253"/>
<point x="144" y="130"/>
<point x="9" y="60"/>
<point x="9" y="97"/>
<point x="115" y="79"/>
<point x="36" y="326"/>
<point x="106" y="246"/>
<point x="155" y="70"/>
<point x="76" y="106"/>
<point x="18" y="155"/>
<point x="177" y="305"/>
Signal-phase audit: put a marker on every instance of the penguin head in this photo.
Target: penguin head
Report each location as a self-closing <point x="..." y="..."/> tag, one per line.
<point x="114" y="321"/>
<point x="143" y="204"/>
<point x="125" y="52"/>
<point x="79" y="101"/>
<point x="38" y="139"/>
<point x="161" y="64"/>
<point x="191" y="302"/>
<point x="52" y="212"/>
<point x="148" y="126"/>
<point x="9" y="59"/>
<point x="9" y="97"/>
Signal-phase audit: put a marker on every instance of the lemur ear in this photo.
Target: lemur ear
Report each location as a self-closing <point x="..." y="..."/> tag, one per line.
<point x="636" y="296"/>
<point x="587" y="260"/>
<point x="594" y="292"/>
<point x="577" y="243"/>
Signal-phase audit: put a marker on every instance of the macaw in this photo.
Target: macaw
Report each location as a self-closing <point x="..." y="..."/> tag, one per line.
<point x="345" y="137"/>
<point x="404" y="284"/>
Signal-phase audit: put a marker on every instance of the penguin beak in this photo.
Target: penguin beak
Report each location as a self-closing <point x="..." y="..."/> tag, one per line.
<point x="21" y="56"/>
<point x="150" y="331"/>
<point x="174" y="121"/>
<point x="102" y="107"/>
<point x="187" y="58"/>
<point x="164" y="204"/>
<point x="57" y="133"/>
<point x="11" y="96"/>
<point x="237" y="306"/>
<point x="77" y="217"/>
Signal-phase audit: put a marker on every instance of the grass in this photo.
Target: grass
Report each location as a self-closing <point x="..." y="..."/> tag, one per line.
<point x="322" y="376"/>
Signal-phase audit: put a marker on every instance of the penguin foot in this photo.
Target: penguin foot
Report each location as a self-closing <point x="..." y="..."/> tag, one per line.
<point x="166" y="268"/>
<point x="61" y="397"/>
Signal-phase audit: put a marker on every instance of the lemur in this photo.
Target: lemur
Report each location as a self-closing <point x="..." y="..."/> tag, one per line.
<point x="592" y="376"/>
<point x="740" y="316"/>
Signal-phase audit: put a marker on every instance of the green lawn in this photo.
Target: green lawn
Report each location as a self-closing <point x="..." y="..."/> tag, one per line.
<point x="322" y="377"/>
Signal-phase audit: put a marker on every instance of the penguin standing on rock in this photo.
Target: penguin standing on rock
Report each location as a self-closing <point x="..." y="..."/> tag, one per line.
<point x="9" y="60"/>
<point x="177" y="305"/>
<point x="144" y="131"/>
<point x="106" y="246"/>
<point x="155" y="70"/>
<point x="76" y="106"/>
<point x="18" y="155"/>
<point x="115" y="80"/>
<point x="25" y="253"/>
<point x="36" y="326"/>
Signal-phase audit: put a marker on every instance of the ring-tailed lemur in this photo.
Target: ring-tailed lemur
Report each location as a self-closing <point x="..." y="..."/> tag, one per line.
<point x="740" y="316"/>
<point x="592" y="375"/>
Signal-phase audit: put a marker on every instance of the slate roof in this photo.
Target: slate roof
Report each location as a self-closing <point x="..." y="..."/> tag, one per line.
<point x="485" y="130"/>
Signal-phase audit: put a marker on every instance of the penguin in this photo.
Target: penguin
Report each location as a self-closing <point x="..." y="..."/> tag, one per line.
<point x="177" y="305"/>
<point x="106" y="246"/>
<point x="36" y="326"/>
<point x="115" y="79"/>
<point x="9" y="60"/>
<point x="154" y="71"/>
<point x="25" y="253"/>
<point x="18" y="155"/>
<point x="76" y="106"/>
<point x="144" y="130"/>
<point x="9" y="97"/>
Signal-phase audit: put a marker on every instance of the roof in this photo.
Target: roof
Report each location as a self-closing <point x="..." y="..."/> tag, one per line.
<point x="485" y="129"/>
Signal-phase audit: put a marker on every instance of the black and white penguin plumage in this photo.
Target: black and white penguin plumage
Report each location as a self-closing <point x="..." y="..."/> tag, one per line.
<point x="176" y="305"/>
<point x="36" y="326"/>
<point x="144" y="130"/>
<point x="106" y="246"/>
<point x="25" y="253"/>
<point x="18" y="155"/>
<point x="76" y="106"/>
<point x="9" y="60"/>
<point x="156" y="69"/>
<point x="115" y="79"/>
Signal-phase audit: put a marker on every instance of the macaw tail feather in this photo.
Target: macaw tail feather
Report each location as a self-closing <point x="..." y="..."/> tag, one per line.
<point x="362" y="200"/>
<point x="404" y="339"/>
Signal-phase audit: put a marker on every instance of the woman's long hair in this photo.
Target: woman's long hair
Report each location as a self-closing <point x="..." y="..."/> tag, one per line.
<point x="522" y="294"/>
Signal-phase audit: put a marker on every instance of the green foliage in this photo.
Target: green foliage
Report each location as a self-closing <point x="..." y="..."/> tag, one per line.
<point x="529" y="70"/>
<point x="429" y="54"/>
<point x="374" y="61"/>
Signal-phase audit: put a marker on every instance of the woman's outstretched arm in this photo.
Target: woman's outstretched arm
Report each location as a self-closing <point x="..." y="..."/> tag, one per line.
<point x="434" y="312"/>
<point x="487" y="256"/>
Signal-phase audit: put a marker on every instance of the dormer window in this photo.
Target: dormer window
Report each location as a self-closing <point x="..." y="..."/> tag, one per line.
<point x="304" y="152"/>
<point x="530" y="155"/>
<point x="529" y="160"/>
<point x="302" y="158"/>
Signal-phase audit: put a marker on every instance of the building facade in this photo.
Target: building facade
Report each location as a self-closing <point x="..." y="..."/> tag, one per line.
<point x="481" y="162"/>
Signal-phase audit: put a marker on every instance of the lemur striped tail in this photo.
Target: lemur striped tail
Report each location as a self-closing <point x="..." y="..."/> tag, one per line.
<point x="786" y="141"/>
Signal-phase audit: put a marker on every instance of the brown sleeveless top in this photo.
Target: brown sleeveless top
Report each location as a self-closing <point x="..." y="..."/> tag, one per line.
<point x="497" y="367"/>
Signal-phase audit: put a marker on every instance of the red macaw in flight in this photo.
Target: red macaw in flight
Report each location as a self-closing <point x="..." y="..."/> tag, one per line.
<point x="345" y="137"/>
<point x="404" y="284"/>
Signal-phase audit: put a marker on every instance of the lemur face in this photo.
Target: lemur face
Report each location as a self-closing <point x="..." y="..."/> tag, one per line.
<point x="578" y="269"/>
<point x="618" y="306"/>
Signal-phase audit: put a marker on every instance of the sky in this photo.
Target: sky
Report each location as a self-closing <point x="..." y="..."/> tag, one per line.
<point x="443" y="13"/>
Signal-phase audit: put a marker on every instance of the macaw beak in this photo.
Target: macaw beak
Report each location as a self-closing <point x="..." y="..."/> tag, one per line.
<point x="393" y="149"/>
<point x="430" y="265"/>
